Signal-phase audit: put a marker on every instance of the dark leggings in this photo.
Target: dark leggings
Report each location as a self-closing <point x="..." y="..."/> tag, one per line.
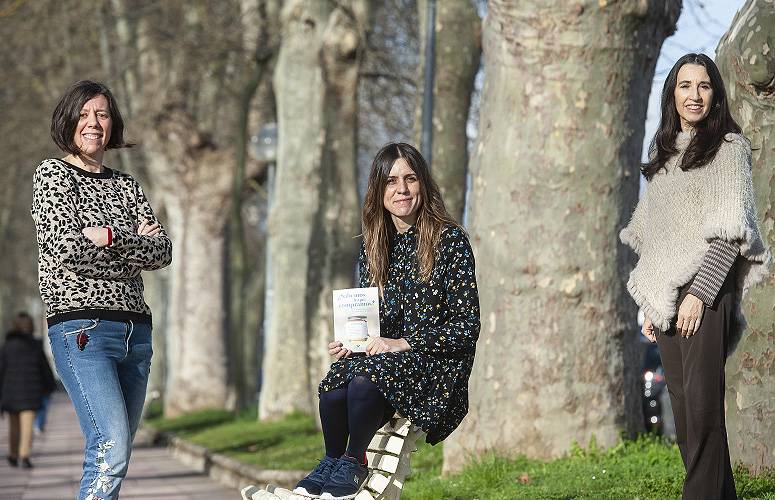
<point x="355" y="411"/>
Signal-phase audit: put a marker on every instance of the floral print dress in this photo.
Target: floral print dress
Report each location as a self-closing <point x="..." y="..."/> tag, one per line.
<point x="440" y="321"/>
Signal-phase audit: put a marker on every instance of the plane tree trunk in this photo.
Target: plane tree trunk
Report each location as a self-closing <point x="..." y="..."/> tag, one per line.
<point x="747" y="63"/>
<point x="554" y="178"/>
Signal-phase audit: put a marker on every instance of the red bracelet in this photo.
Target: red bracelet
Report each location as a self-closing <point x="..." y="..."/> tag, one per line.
<point x="110" y="236"/>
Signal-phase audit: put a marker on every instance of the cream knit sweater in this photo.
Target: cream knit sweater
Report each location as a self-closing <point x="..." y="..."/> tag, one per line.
<point x="678" y="216"/>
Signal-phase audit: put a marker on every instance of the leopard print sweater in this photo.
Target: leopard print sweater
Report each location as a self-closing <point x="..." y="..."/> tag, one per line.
<point x="77" y="278"/>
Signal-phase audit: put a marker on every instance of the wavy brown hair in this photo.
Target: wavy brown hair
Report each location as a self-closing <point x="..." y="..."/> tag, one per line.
<point x="709" y="133"/>
<point x="378" y="227"/>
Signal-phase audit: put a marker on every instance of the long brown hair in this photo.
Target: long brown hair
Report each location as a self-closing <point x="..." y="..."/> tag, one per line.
<point x="378" y="227"/>
<point x="709" y="133"/>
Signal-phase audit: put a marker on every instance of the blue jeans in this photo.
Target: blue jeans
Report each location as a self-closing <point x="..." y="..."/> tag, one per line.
<point x="104" y="367"/>
<point x="41" y="415"/>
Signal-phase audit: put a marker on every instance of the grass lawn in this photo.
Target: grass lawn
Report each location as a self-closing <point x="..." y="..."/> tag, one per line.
<point x="647" y="468"/>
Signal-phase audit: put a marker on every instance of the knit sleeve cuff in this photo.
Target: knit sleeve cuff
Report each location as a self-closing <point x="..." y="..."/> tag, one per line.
<point x="714" y="270"/>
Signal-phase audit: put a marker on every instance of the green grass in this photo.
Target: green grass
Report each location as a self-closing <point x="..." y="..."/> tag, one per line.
<point x="292" y="443"/>
<point x="646" y="468"/>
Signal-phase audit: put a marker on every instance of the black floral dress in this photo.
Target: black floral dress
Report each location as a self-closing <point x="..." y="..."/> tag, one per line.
<point x="440" y="321"/>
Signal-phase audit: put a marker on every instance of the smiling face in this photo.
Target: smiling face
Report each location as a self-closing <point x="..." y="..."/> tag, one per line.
<point x="402" y="195"/>
<point x="693" y="95"/>
<point x="94" y="126"/>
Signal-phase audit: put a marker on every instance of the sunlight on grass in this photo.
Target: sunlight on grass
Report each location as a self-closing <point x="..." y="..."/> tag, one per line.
<point x="292" y="443"/>
<point x="646" y="468"/>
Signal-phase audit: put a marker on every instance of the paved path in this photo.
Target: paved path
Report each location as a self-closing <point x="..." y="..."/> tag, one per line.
<point x="57" y="455"/>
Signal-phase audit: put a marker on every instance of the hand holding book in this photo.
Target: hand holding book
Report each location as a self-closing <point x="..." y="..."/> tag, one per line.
<point x="384" y="344"/>
<point x="356" y="320"/>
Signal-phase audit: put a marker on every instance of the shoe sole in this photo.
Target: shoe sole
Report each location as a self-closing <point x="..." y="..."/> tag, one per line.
<point x="303" y="492"/>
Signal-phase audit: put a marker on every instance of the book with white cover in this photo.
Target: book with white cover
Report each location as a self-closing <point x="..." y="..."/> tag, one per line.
<point x="356" y="317"/>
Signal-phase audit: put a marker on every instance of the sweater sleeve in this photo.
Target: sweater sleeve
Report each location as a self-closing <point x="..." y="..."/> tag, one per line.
<point x="459" y="333"/>
<point x="58" y="228"/>
<point x="732" y="215"/>
<point x="147" y="252"/>
<point x="714" y="270"/>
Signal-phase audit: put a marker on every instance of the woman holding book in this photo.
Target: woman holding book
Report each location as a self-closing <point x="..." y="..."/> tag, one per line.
<point x="420" y="259"/>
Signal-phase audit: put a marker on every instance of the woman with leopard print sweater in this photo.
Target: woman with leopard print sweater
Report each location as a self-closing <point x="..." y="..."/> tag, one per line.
<point x="96" y="232"/>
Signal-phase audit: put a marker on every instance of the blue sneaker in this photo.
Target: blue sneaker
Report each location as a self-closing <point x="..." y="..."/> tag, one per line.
<point x="311" y="485"/>
<point x="346" y="480"/>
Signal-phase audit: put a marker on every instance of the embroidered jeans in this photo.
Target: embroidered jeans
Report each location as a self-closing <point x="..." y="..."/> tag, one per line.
<point x="104" y="367"/>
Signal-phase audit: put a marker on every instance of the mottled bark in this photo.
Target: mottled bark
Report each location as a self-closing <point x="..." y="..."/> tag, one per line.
<point x="297" y="80"/>
<point x="747" y="63"/>
<point x="554" y="178"/>
<point x="458" y="51"/>
<point x="181" y="98"/>
<point x="334" y="247"/>
<point x="314" y="215"/>
<point x="197" y="201"/>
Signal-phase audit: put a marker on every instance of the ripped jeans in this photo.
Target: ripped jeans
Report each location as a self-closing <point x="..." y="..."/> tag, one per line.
<point x="104" y="367"/>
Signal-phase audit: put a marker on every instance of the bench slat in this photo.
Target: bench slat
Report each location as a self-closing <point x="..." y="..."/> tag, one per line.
<point x="263" y="495"/>
<point x="390" y="444"/>
<point x="377" y="482"/>
<point x="399" y="426"/>
<point x="282" y="493"/>
<point x="386" y="463"/>
<point x="364" y="495"/>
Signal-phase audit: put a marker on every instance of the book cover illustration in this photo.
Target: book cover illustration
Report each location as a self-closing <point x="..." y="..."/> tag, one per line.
<point x="356" y="317"/>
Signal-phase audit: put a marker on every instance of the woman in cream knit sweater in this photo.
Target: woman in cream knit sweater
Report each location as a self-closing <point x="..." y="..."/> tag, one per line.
<point x="697" y="236"/>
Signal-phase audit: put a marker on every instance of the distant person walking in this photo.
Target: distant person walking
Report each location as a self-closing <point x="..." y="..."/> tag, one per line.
<point x="96" y="232"/>
<point x="422" y="263"/>
<point x="700" y="249"/>
<point x="25" y="377"/>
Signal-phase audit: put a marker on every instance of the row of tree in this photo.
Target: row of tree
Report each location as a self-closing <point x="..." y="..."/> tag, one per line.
<point x="553" y="177"/>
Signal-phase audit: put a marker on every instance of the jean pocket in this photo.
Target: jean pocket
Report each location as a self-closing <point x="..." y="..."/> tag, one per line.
<point x="76" y="326"/>
<point x="80" y="328"/>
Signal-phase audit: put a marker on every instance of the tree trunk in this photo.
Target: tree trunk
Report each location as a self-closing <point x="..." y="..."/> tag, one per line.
<point x="334" y="253"/>
<point x="179" y="98"/>
<point x="458" y="52"/>
<point x="554" y="179"/>
<point x="315" y="211"/>
<point x="197" y="363"/>
<point x="243" y="346"/>
<point x="746" y="61"/>
<point x="298" y="80"/>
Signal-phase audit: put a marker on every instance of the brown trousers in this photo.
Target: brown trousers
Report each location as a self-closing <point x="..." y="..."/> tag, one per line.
<point x="694" y="369"/>
<point x="20" y="433"/>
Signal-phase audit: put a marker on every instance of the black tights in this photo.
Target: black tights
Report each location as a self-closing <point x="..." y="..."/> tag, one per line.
<point x="356" y="410"/>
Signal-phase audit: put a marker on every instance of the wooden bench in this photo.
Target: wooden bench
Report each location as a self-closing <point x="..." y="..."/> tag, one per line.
<point x="388" y="455"/>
